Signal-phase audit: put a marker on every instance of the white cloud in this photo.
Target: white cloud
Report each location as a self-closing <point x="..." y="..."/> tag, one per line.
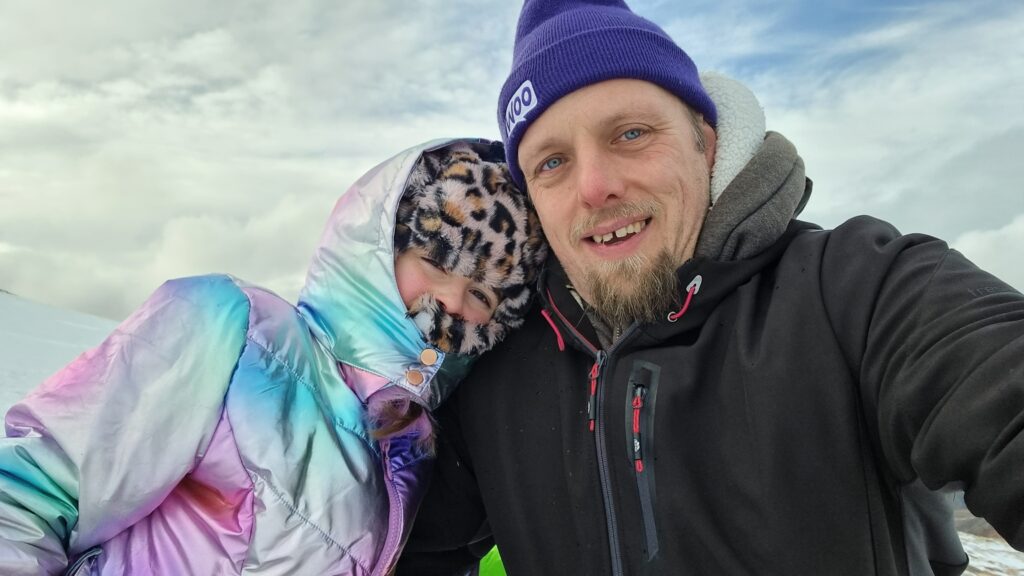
<point x="907" y="133"/>
<point x="149" y="139"/>
<point x="997" y="250"/>
<point x="184" y="138"/>
<point x="717" y="35"/>
<point x="915" y="119"/>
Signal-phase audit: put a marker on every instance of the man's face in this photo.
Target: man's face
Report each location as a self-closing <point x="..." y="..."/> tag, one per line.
<point x="621" y="187"/>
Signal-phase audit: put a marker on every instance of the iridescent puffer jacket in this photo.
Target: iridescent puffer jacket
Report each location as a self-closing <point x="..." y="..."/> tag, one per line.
<point x="220" y="430"/>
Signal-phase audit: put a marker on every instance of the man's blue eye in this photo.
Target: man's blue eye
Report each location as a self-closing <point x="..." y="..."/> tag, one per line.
<point x="632" y="134"/>
<point x="552" y="163"/>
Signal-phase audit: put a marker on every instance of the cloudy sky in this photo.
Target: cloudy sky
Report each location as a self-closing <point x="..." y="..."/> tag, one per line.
<point x="148" y="139"/>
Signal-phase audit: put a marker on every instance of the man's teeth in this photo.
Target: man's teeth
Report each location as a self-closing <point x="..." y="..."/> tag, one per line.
<point x="620" y="233"/>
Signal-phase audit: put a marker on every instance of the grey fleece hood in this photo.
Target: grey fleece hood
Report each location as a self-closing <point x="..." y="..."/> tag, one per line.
<point x="758" y="182"/>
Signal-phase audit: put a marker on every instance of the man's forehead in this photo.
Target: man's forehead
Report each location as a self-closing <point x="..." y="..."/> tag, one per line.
<point x="615" y="94"/>
<point x="604" y="105"/>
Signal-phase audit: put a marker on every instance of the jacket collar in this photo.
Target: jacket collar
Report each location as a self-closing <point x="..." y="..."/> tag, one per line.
<point x="717" y="280"/>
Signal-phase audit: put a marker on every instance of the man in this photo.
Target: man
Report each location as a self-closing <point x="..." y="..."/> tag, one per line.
<point x="708" y="385"/>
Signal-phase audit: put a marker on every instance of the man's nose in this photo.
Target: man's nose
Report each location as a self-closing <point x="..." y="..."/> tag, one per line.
<point x="598" y="179"/>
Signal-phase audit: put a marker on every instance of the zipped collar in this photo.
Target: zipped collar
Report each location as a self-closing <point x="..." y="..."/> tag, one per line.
<point x="567" y="318"/>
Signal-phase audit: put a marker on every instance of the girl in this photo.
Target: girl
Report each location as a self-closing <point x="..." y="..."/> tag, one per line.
<point x="221" y="430"/>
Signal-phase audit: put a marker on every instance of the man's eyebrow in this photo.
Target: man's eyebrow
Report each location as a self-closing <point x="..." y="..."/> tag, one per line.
<point x="545" y="144"/>
<point x="629" y="116"/>
<point x="613" y="120"/>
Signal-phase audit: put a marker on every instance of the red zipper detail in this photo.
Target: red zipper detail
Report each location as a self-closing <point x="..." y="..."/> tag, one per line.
<point x="638" y="404"/>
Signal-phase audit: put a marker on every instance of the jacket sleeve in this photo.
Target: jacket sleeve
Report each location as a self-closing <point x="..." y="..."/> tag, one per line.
<point x="450" y="534"/>
<point x="939" y="346"/>
<point x="101" y="443"/>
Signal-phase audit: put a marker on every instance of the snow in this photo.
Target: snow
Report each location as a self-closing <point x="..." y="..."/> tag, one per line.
<point x="991" y="557"/>
<point x="37" y="340"/>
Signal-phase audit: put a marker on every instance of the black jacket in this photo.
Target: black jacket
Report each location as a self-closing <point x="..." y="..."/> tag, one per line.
<point x="787" y="423"/>
<point x="780" y="419"/>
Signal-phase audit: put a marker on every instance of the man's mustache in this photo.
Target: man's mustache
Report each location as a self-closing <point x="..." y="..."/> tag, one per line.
<point x="635" y="209"/>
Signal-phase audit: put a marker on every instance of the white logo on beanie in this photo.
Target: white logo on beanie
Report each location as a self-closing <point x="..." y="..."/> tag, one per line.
<point x="523" y="100"/>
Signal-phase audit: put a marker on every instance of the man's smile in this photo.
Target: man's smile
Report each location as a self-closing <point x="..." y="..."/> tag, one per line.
<point x="617" y="239"/>
<point x="617" y="233"/>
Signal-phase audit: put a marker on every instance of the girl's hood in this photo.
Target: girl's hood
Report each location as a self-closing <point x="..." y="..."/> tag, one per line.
<point x="350" y="298"/>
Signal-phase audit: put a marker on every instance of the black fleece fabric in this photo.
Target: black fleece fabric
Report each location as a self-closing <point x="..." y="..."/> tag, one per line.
<point x="779" y="425"/>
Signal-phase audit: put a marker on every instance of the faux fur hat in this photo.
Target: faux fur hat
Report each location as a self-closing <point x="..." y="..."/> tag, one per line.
<point x="461" y="207"/>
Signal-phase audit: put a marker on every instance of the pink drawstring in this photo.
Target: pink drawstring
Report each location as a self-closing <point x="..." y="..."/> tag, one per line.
<point x="691" y="289"/>
<point x="561" y="341"/>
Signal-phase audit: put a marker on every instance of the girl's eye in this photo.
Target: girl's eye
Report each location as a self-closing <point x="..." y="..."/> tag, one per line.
<point x="551" y="164"/>
<point x="632" y="134"/>
<point x="432" y="262"/>
<point x="482" y="297"/>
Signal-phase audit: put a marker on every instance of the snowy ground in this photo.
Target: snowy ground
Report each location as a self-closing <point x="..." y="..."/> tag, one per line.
<point x="37" y="340"/>
<point x="991" y="557"/>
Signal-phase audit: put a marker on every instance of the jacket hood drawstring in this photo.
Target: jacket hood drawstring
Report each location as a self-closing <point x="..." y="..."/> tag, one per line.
<point x="691" y="290"/>
<point x="554" y="328"/>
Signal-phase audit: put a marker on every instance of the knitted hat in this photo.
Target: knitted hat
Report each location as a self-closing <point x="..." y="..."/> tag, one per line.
<point x="461" y="209"/>
<point x="564" y="45"/>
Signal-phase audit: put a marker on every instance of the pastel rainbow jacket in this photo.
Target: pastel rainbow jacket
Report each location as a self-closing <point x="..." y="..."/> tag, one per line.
<point x="220" y="430"/>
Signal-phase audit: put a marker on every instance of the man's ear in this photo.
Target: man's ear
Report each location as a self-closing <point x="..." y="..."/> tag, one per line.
<point x="710" y="144"/>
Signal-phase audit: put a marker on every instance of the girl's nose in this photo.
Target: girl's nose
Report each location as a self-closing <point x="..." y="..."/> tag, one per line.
<point x="451" y="302"/>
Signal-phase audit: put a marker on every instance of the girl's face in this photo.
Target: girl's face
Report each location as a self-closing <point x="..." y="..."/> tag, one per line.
<point x="461" y="297"/>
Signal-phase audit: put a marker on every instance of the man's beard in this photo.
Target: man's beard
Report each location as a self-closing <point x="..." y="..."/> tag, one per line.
<point x="636" y="288"/>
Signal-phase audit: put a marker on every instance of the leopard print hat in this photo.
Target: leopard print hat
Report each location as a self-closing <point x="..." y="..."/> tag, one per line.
<point x="461" y="207"/>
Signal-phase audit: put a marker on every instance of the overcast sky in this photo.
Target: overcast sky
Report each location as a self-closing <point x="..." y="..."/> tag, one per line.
<point x="147" y="139"/>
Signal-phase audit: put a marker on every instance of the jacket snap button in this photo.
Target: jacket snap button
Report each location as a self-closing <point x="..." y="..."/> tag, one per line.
<point x="415" y="377"/>
<point x="428" y="356"/>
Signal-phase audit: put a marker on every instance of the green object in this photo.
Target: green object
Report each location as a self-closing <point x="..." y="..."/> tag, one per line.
<point x="491" y="565"/>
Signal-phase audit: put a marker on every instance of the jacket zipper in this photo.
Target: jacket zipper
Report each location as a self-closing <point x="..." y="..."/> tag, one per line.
<point x="596" y="426"/>
<point x="396" y="520"/>
<point x="603" y="468"/>
<point x="641" y="388"/>
<point x="592" y="399"/>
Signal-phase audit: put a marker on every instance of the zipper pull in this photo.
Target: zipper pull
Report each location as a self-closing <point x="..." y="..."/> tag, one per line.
<point x="595" y="371"/>
<point x="638" y="403"/>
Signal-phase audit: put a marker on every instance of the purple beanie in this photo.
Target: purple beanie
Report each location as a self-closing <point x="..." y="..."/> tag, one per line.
<point x="564" y="45"/>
